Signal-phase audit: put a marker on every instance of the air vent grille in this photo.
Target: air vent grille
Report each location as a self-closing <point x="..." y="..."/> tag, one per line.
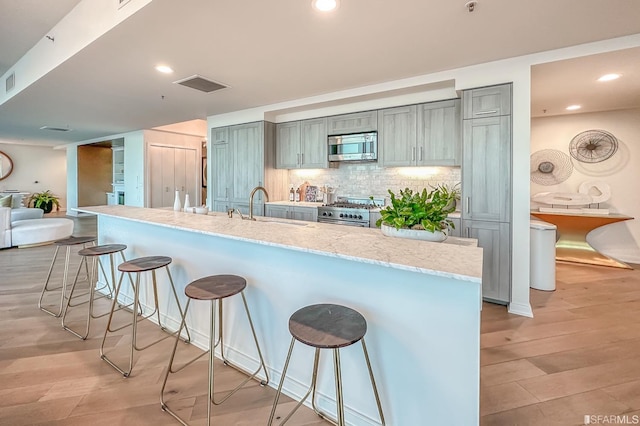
<point x="200" y="83"/>
<point x="10" y="82"/>
<point x="55" y="129"/>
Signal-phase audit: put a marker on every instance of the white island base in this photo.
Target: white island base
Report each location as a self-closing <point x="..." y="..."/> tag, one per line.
<point x="423" y="320"/>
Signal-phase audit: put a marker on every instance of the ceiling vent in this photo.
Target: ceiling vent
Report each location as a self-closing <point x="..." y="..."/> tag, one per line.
<point x="10" y="82"/>
<point x="55" y="129"/>
<point x="200" y="83"/>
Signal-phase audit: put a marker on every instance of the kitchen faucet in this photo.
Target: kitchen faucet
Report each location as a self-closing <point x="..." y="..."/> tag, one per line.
<point x="266" y="198"/>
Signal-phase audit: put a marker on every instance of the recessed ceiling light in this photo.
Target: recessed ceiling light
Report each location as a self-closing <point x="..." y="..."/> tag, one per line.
<point x="573" y="107"/>
<point x="609" y="77"/>
<point x="164" y="69"/>
<point x="325" y="5"/>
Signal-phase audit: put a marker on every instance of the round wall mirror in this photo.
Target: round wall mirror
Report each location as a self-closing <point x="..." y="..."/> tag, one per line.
<point x="6" y="165"/>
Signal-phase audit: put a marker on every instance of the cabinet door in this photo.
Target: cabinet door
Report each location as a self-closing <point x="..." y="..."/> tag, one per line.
<point x="221" y="172"/>
<point x="494" y="238"/>
<point x="397" y="136"/>
<point x="118" y="165"/>
<point x="310" y="214"/>
<point x="288" y="145"/>
<point x="281" y="212"/>
<point x="490" y="101"/>
<point x="219" y="135"/>
<point x="246" y="142"/>
<point x="486" y="170"/>
<point x="313" y="144"/>
<point x="220" y="206"/>
<point x="352" y="123"/>
<point x="439" y="141"/>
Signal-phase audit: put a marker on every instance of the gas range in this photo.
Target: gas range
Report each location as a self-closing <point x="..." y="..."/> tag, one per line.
<point x="348" y="211"/>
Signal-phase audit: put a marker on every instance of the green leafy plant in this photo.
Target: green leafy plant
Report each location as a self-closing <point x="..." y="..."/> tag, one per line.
<point x="44" y="199"/>
<point x="426" y="210"/>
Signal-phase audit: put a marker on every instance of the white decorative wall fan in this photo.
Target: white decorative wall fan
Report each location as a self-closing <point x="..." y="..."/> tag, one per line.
<point x="550" y="167"/>
<point x="593" y="146"/>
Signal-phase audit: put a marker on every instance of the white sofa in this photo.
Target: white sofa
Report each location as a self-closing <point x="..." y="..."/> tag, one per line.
<point x="24" y="213"/>
<point x="29" y="232"/>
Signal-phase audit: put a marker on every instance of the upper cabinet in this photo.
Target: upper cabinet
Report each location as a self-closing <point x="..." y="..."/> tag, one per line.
<point x="420" y="135"/>
<point x="358" y="122"/>
<point x="439" y="142"/>
<point x="397" y="136"/>
<point x="302" y="144"/>
<point x="490" y="101"/>
<point x="118" y="165"/>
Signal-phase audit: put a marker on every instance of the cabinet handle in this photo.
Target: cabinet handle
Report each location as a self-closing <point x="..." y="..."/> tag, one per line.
<point x="298" y="156"/>
<point x="166" y="189"/>
<point x="467" y="231"/>
<point x="302" y="159"/>
<point x="413" y="154"/>
<point x="468" y="202"/>
<point x="494" y="111"/>
<point x="421" y="150"/>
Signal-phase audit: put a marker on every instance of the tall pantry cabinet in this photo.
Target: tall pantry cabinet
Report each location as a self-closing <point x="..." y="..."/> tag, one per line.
<point x="486" y="184"/>
<point x="243" y="157"/>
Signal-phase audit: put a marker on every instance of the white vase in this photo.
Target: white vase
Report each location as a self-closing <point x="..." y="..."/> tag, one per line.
<point x="176" y="202"/>
<point x="413" y="234"/>
<point x="187" y="204"/>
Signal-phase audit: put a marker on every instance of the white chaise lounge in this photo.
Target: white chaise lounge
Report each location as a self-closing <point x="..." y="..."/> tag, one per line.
<point x="29" y="232"/>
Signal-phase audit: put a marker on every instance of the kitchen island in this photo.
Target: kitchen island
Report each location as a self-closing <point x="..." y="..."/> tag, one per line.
<point x="421" y="301"/>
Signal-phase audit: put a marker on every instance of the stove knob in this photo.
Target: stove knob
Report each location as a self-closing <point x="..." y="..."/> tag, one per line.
<point x="330" y="214"/>
<point x="324" y="214"/>
<point x="341" y="215"/>
<point x="350" y="216"/>
<point x="360" y="217"/>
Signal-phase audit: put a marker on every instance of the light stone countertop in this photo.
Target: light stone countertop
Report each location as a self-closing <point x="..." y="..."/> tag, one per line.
<point x="461" y="259"/>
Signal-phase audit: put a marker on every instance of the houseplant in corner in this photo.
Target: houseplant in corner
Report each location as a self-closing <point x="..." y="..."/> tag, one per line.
<point x="421" y="215"/>
<point x="44" y="200"/>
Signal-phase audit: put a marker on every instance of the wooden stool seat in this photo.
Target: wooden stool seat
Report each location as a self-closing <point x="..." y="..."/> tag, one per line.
<point x="215" y="287"/>
<point x="138" y="266"/>
<point x="103" y="249"/>
<point x="327" y="326"/>
<point x="143" y="264"/>
<point x="72" y="241"/>
<point x="93" y="253"/>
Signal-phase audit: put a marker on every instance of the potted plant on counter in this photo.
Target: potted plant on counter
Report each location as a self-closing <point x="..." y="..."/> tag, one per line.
<point x="421" y="215"/>
<point x="44" y="200"/>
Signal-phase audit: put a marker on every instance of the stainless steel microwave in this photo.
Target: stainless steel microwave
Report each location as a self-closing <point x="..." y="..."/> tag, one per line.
<point x="354" y="147"/>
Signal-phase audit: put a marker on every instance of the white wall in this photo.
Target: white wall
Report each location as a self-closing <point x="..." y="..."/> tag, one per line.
<point x="620" y="172"/>
<point x="41" y="164"/>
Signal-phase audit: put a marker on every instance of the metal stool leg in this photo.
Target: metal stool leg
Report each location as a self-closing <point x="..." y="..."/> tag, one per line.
<point x="90" y="301"/>
<point x="373" y="382"/>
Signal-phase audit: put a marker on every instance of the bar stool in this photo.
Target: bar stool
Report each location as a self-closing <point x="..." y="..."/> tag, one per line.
<point x="68" y="243"/>
<point x="138" y="266"/>
<point x="326" y="326"/>
<point x="214" y="288"/>
<point x="94" y="252"/>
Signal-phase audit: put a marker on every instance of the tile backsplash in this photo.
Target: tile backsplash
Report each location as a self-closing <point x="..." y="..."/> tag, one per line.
<point x="365" y="179"/>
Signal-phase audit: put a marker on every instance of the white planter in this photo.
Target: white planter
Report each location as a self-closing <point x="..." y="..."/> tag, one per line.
<point x="413" y="234"/>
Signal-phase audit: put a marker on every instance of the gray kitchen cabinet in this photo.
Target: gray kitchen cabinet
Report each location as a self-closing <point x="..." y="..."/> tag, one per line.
<point x="486" y="184"/>
<point x="420" y="135"/>
<point x="486" y="171"/>
<point x="281" y="212"/>
<point x="302" y="144"/>
<point x="495" y="240"/>
<point x="221" y="165"/>
<point x="309" y="214"/>
<point x="373" y="218"/>
<point x="313" y="144"/>
<point x="490" y="101"/>
<point x="288" y="145"/>
<point x="243" y="157"/>
<point x="366" y="121"/>
<point x="397" y="136"/>
<point x="438" y="136"/>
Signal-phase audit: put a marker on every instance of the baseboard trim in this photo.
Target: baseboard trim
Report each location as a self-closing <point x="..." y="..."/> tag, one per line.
<point x="523" y="309"/>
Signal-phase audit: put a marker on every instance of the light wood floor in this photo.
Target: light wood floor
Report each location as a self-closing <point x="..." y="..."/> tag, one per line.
<point x="579" y="356"/>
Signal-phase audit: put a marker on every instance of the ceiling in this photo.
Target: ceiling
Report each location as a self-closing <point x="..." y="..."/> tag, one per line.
<point x="285" y="50"/>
